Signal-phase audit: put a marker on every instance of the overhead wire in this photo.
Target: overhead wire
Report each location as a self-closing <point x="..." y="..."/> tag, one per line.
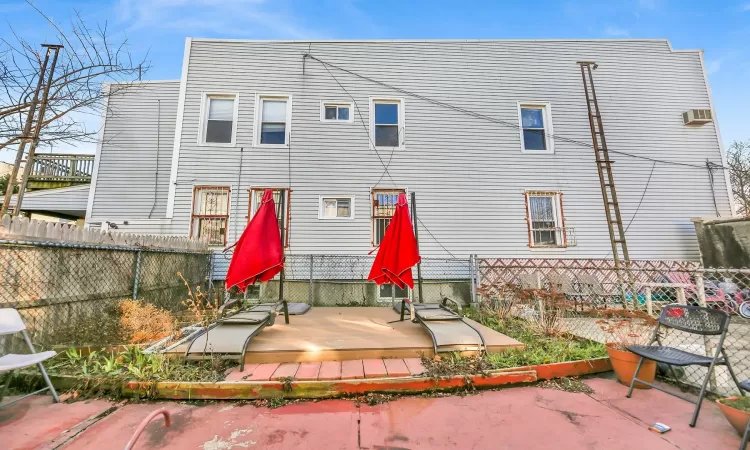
<point x="374" y="148"/>
<point x="495" y="120"/>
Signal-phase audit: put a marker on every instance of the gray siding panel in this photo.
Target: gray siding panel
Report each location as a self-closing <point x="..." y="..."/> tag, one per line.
<point x="468" y="173"/>
<point x="67" y="200"/>
<point x="127" y="186"/>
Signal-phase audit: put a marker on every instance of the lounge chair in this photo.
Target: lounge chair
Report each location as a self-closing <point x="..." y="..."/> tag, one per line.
<point x="591" y="288"/>
<point x="12" y="323"/>
<point x="530" y="280"/>
<point x="232" y="334"/>
<point x="448" y="329"/>
<point x="560" y="283"/>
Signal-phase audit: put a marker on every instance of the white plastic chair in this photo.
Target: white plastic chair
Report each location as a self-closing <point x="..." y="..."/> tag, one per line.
<point x="11" y="323"/>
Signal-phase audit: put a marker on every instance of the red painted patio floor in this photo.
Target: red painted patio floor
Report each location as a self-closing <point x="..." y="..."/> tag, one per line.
<point x="329" y="370"/>
<point x="516" y="418"/>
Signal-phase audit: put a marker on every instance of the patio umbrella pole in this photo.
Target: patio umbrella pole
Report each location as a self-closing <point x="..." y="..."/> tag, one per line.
<point x="282" y="208"/>
<point x="416" y="237"/>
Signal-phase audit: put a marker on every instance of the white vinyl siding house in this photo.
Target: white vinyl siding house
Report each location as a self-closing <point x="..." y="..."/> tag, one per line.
<point x="470" y="165"/>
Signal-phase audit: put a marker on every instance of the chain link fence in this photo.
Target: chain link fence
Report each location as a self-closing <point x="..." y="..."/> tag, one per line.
<point x="336" y="280"/>
<point x="69" y="294"/>
<point x="594" y="290"/>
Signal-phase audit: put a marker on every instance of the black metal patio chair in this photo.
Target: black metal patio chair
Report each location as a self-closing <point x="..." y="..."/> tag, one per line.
<point x="690" y="319"/>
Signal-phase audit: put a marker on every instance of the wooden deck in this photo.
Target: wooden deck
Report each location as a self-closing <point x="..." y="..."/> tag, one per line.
<point x="341" y="333"/>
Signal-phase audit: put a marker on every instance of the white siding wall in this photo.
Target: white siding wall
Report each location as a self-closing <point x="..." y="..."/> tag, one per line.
<point x="468" y="173"/>
<point x="125" y="182"/>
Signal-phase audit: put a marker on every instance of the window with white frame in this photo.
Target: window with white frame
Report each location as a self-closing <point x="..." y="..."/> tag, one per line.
<point x="387" y="121"/>
<point x="545" y="219"/>
<point x="536" y="128"/>
<point x="219" y="119"/>
<point x="391" y="292"/>
<point x="336" y="112"/>
<point x="273" y="115"/>
<point x="283" y="208"/>
<point x="383" y="206"/>
<point x="210" y="215"/>
<point x="338" y="207"/>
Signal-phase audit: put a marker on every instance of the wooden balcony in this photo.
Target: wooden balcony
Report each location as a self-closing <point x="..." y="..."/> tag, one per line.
<point x="53" y="170"/>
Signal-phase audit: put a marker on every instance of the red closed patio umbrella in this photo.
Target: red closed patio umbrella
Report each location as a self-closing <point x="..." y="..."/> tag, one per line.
<point x="258" y="255"/>
<point x="398" y="251"/>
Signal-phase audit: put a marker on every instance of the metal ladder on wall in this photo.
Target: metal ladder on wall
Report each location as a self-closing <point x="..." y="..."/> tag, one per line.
<point x="606" y="179"/>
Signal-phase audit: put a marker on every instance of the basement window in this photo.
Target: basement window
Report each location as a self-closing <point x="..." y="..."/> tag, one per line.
<point x="336" y="207"/>
<point x="536" y="127"/>
<point x="546" y="224"/>
<point x="210" y="215"/>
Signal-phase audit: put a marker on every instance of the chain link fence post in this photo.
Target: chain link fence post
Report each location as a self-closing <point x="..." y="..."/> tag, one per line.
<point x="136" y="274"/>
<point x="310" y="296"/>
<point x="473" y="278"/>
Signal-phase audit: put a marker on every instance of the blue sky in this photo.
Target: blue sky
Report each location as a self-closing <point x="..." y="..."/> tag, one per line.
<point x="720" y="27"/>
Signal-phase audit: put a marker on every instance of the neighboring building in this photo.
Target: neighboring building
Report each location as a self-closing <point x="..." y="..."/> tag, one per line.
<point x="494" y="144"/>
<point x="5" y="168"/>
<point x="66" y="204"/>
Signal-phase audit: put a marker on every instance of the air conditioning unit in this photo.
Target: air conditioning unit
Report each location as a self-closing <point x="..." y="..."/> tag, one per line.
<point x="697" y="116"/>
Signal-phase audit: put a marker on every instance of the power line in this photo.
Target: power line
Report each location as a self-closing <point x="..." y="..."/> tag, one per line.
<point x="385" y="166"/>
<point x="643" y="195"/>
<point x="367" y="131"/>
<point x="495" y="120"/>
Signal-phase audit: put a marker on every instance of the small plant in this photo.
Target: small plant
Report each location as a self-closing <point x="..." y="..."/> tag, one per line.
<point x="500" y="299"/>
<point x="199" y="304"/>
<point x="625" y="328"/>
<point x="549" y="308"/>
<point x="286" y="383"/>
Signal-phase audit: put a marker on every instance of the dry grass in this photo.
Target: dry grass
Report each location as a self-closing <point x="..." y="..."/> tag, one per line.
<point x="142" y="322"/>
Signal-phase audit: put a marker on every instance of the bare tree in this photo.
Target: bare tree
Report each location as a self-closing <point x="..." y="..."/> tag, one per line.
<point x="89" y="58"/>
<point x="738" y="160"/>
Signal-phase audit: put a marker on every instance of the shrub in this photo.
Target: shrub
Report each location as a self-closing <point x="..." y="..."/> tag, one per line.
<point x="141" y="323"/>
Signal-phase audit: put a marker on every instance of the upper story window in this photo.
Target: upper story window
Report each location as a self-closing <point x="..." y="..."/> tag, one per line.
<point x="338" y="207"/>
<point x="545" y="219"/>
<point x="383" y="206"/>
<point x="336" y="112"/>
<point x="536" y="127"/>
<point x="387" y="121"/>
<point x="219" y="119"/>
<point x="281" y="198"/>
<point x="210" y="215"/>
<point x="273" y="118"/>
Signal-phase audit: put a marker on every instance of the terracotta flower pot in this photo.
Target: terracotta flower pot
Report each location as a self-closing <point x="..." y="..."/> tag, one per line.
<point x="737" y="417"/>
<point x="624" y="364"/>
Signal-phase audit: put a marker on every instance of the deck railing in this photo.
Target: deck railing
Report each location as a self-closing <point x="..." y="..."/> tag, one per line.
<point x="62" y="167"/>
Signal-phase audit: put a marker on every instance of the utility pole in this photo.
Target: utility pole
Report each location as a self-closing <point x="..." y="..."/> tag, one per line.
<point x="26" y="132"/>
<point x="55" y="49"/>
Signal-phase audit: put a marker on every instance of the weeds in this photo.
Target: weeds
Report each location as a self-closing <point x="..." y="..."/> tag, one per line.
<point x="540" y="348"/>
<point x="568" y="384"/>
<point x="134" y="364"/>
<point x="626" y="328"/>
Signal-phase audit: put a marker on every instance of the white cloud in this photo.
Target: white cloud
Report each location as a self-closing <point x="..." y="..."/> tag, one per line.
<point x="613" y="31"/>
<point x="227" y="18"/>
<point x="714" y="65"/>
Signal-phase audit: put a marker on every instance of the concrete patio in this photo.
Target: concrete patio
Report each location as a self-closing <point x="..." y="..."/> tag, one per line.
<point x="514" y="418"/>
